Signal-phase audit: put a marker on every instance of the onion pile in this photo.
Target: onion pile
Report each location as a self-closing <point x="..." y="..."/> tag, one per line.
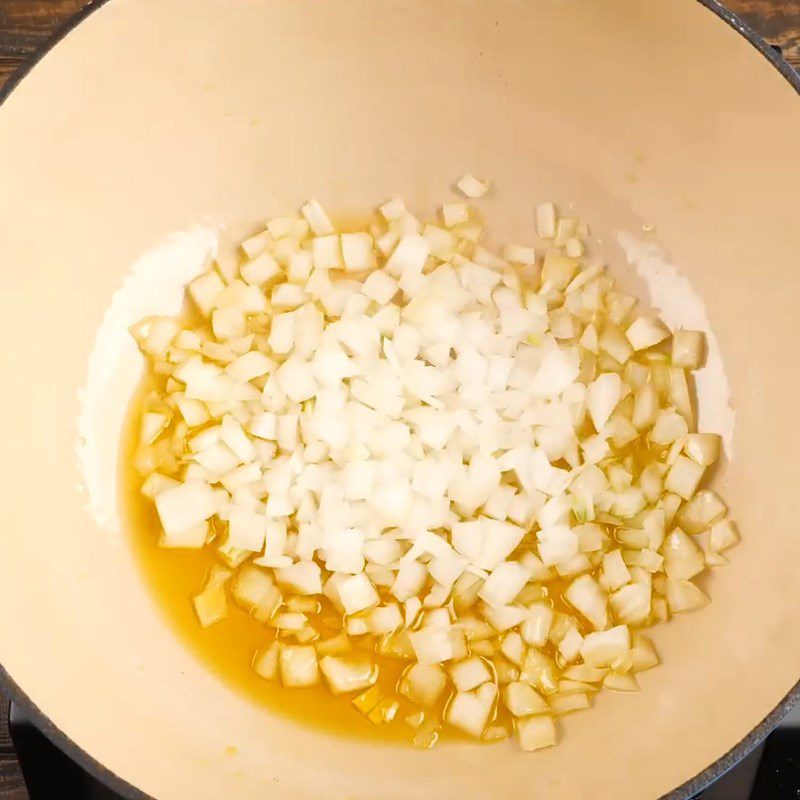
<point x="407" y="448"/>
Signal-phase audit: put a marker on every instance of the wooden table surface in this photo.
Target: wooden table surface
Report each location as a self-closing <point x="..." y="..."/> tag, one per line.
<point x="25" y="25"/>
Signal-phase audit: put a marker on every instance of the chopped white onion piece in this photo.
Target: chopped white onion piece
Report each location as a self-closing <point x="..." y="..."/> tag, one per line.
<point x="455" y="214"/>
<point x="385" y="619"/>
<point x="423" y="684"/>
<point x="205" y="291"/>
<point x="558" y="544"/>
<point x="470" y="711"/>
<point x="410" y="579"/>
<point x="211" y="604"/>
<point x="561" y="704"/>
<point x="569" y="647"/>
<point x="265" y="662"/>
<point x="684" y="477"/>
<point x="586" y="595"/>
<point x="602" y="397"/>
<point x="523" y="700"/>
<point x="536" y="732"/>
<point x="535" y="628"/>
<point x="260" y="270"/>
<point x="646" y="332"/>
<point x="504" y="583"/>
<point x="380" y="287"/>
<point x="604" y="648"/>
<point x="246" y="529"/>
<point x="470" y="674"/>
<point x="702" y="511"/>
<point x="327" y="252"/>
<point x="289" y="621"/>
<point x="505" y="617"/>
<point x="684" y="596"/>
<point x="303" y="578"/>
<point x="296" y="378"/>
<point x="575" y="247"/>
<point x="348" y="673"/>
<point x="409" y="256"/>
<point x="704" y="448"/>
<point x="317" y="218"/>
<point x="669" y="427"/>
<point x="723" y="536"/>
<point x="615" y="572"/>
<point x="287" y="295"/>
<point x="153" y="424"/>
<point x="546" y="220"/>
<point x="643" y="654"/>
<point x="513" y="647"/>
<point x="584" y="673"/>
<point x="434" y="644"/>
<point x="357" y="252"/>
<point x="472" y="187"/>
<point x="184" y="507"/>
<point x="298" y="665"/>
<point x="688" y="349"/>
<point x="357" y="593"/>
<point x="256" y="243"/>
<point x="631" y="604"/>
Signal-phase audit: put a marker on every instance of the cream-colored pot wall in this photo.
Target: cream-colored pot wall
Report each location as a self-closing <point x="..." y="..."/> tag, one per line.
<point x="154" y="116"/>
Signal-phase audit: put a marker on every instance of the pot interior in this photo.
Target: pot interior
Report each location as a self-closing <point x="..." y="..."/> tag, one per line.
<point x="155" y="121"/>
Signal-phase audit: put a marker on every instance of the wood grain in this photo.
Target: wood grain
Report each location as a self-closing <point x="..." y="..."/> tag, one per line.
<point x="12" y="787"/>
<point x="25" y="26"/>
<point x="778" y="21"/>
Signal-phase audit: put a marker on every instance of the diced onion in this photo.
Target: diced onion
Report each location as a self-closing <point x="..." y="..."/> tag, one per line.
<point x="603" y="648"/>
<point x="357" y="594"/>
<point x="536" y="732"/>
<point x="469" y="674"/>
<point x="317" y="218"/>
<point x="423" y="684"/>
<point x="265" y="662"/>
<point x="435" y="644"/>
<point x="348" y="673"/>
<point x="211" y="604"/>
<point x="631" y="603"/>
<point x="723" y="536"/>
<point x="504" y="583"/>
<point x="546" y="220"/>
<point x="472" y="187"/>
<point x="561" y="704"/>
<point x="645" y="332"/>
<point x="182" y="508"/>
<point x="586" y="595"/>
<point x="523" y="700"/>
<point x="602" y="396"/>
<point x="405" y="446"/>
<point x="470" y="711"/>
<point x="683" y="595"/>
<point x="536" y="626"/>
<point x="684" y="477"/>
<point x="643" y="654"/>
<point x="513" y="647"/>
<point x="357" y="251"/>
<point x="688" y="349"/>
<point x="299" y="665"/>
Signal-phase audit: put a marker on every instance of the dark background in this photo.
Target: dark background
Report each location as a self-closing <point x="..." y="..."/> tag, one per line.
<point x="25" y="25"/>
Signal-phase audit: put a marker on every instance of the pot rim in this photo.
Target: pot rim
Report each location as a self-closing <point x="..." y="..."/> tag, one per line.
<point x="690" y="788"/>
